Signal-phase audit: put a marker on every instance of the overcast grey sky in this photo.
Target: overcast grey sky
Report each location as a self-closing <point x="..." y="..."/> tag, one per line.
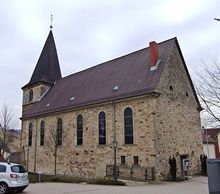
<point x="88" y="32"/>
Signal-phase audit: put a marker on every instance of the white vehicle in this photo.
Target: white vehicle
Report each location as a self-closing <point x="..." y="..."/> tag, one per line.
<point x="12" y="177"/>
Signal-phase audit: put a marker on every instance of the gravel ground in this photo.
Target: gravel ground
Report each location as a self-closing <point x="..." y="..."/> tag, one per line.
<point x="197" y="185"/>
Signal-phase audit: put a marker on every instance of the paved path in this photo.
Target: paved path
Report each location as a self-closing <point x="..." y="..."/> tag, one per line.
<point x="197" y="185"/>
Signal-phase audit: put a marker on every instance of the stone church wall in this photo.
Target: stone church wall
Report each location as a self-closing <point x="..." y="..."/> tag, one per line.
<point x="90" y="159"/>
<point x="177" y="123"/>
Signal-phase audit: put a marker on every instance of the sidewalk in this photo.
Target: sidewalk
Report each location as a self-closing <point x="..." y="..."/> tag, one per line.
<point x="196" y="185"/>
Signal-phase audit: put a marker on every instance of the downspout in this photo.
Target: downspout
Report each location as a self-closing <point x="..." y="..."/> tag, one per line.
<point x="114" y="143"/>
<point x="35" y="148"/>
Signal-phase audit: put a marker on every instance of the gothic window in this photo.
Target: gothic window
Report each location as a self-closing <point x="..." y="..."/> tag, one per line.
<point x="42" y="126"/>
<point x="59" y="131"/>
<point x="30" y="95"/>
<point x="79" y="130"/>
<point x="128" y="126"/>
<point x="30" y="131"/>
<point x="102" y="128"/>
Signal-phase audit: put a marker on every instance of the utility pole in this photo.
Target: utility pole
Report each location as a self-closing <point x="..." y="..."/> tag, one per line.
<point x="207" y="142"/>
<point x="114" y="144"/>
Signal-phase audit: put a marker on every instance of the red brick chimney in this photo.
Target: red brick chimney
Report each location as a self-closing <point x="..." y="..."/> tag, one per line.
<point x="153" y="54"/>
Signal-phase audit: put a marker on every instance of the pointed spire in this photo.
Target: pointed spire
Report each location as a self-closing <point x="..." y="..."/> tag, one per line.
<point x="47" y="69"/>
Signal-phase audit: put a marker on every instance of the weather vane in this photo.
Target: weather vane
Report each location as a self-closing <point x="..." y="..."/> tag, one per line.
<point x="51" y="21"/>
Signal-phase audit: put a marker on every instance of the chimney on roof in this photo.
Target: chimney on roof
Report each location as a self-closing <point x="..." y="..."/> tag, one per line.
<point x="153" y="56"/>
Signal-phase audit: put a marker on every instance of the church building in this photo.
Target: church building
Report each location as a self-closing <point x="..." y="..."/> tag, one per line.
<point x="132" y="114"/>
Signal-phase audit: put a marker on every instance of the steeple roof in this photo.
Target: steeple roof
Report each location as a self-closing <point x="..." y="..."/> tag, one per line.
<point x="47" y="69"/>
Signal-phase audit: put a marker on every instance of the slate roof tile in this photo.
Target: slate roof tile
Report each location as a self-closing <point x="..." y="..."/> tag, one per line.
<point x="95" y="85"/>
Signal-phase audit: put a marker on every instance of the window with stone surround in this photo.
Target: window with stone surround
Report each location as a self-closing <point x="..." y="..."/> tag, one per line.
<point x="136" y="162"/>
<point x="59" y="131"/>
<point x="31" y="94"/>
<point x="79" y="130"/>
<point x="128" y="126"/>
<point x="122" y="159"/>
<point x="42" y="126"/>
<point x="30" y="131"/>
<point x="102" y="128"/>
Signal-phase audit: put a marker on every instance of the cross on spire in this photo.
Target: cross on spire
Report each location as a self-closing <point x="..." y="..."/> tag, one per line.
<point x="51" y="22"/>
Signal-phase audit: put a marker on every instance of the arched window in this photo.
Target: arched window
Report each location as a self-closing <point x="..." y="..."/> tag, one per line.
<point x="59" y="131"/>
<point x="30" y="131"/>
<point x="128" y="126"/>
<point x="79" y="130"/>
<point x="102" y="128"/>
<point x="42" y="126"/>
<point x="30" y="95"/>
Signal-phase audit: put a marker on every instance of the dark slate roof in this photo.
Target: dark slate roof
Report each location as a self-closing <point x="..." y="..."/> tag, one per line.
<point x="47" y="69"/>
<point x="95" y="85"/>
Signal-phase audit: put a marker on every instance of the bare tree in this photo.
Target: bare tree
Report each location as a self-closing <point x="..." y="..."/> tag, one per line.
<point x="6" y="123"/>
<point x="57" y="142"/>
<point x="208" y="90"/>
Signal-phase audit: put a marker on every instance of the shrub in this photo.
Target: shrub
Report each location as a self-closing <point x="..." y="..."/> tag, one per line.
<point x="34" y="178"/>
<point x="172" y="163"/>
<point x="104" y="181"/>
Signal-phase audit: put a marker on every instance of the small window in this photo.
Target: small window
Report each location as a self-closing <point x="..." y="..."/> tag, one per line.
<point x="102" y="128"/>
<point x="171" y="88"/>
<point x="187" y="94"/>
<point x="59" y="131"/>
<point x="30" y="131"/>
<point x="42" y="125"/>
<point x="42" y="90"/>
<point x="122" y="159"/>
<point x="79" y="130"/>
<point x="136" y="160"/>
<point x="2" y="168"/>
<point x="30" y="95"/>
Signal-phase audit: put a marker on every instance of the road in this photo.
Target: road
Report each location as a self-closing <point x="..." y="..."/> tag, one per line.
<point x="197" y="185"/>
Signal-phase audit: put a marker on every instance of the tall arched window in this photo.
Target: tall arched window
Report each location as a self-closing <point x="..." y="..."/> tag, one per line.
<point x="42" y="126"/>
<point x="30" y="131"/>
<point x="59" y="131"/>
<point x="102" y="128"/>
<point x="128" y="126"/>
<point x="79" y="130"/>
<point x="31" y="95"/>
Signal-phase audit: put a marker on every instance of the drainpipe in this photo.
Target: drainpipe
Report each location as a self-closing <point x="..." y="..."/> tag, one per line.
<point x="35" y="148"/>
<point x="114" y="143"/>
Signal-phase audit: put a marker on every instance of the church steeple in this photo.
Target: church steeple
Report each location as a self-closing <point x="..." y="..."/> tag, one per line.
<point x="46" y="72"/>
<point x="47" y="69"/>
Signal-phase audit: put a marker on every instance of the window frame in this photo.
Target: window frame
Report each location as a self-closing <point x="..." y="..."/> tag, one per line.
<point x="102" y="131"/>
<point x="42" y="133"/>
<point x="79" y="130"/>
<point x="31" y="95"/>
<point x="59" y="132"/>
<point x="123" y="160"/>
<point x="136" y="160"/>
<point x="30" y="134"/>
<point x="128" y="126"/>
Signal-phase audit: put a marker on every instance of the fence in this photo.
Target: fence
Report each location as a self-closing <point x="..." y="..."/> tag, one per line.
<point x="134" y="172"/>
